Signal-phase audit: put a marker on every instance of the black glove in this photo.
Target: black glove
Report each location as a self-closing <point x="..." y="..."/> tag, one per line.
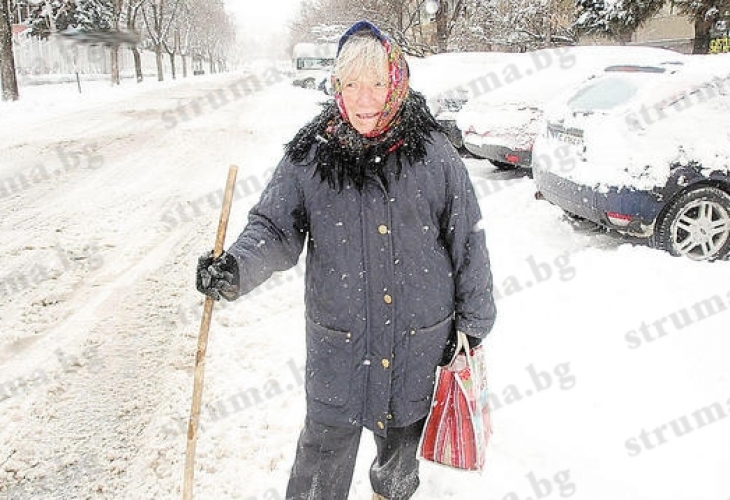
<point x="218" y="277"/>
<point x="450" y="348"/>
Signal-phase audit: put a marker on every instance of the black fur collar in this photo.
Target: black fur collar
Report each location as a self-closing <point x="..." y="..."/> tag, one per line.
<point x="344" y="156"/>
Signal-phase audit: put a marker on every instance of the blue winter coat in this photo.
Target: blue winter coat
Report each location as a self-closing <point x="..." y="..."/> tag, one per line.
<point x="390" y="272"/>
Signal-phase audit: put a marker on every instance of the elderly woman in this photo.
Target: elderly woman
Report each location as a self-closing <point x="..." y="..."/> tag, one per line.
<point x="396" y="264"/>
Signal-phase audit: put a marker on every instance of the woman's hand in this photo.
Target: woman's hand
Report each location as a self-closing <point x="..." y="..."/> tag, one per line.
<point x="218" y="277"/>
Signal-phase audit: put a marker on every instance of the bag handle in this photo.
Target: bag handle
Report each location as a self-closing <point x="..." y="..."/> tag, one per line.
<point x="462" y="343"/>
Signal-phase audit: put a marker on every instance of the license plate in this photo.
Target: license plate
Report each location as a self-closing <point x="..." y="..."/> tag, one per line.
<point x="574" y="138"/>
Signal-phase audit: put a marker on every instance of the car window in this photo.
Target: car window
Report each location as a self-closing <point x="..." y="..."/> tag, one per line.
<point x="603" y="94"/>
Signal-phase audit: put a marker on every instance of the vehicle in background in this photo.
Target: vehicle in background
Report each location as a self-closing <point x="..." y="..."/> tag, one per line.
<point x="313" y="64"/>
<point x="501" y="125"/>
<point x="645" y="151"/>
<point x="449" y="80"/>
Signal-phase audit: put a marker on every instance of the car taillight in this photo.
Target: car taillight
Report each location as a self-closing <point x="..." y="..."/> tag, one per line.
<point x="512" y="158"/>
<point x="617" y="219"/>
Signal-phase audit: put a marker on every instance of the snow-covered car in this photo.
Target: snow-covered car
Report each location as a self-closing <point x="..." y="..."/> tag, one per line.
<point x="645" y="151"/>
<point x="312" y="64"/>
<point x="449" y="80"/>
<point x="501" y="125"/>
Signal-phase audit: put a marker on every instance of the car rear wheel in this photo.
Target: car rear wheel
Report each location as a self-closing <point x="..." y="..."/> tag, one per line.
<point x="696" y="225"/>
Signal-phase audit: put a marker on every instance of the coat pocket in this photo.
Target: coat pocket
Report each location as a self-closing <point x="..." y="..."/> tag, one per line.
<point x="425" y="348"/>
<point x="329" y="364"/>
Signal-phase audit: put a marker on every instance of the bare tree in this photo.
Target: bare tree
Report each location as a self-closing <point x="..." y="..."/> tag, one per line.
<point x="171" y="44"/>
<point x="132" y="9"/>
<point x="325" y="20"/>
<point x="158" y="18"/>
<point x="213" y="34"/>
<point x="116" y="20"/>
<point x="515" y="25"/>
<point x="183" y="31"/>
<point x="405" y="22"/>
<point x="7" y="60"/>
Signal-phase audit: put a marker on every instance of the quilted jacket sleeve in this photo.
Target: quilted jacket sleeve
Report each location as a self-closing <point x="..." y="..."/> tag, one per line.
<point x="464" y="235"/>
<point x="273" y="239"/>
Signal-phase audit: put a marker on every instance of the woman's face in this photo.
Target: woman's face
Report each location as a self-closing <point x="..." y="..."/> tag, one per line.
<point x="364" y="96"/>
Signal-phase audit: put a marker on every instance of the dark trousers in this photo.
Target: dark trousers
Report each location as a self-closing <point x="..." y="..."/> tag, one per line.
<point x="325" y="461"/>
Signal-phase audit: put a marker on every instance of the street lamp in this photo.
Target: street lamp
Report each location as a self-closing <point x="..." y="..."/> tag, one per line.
<point x="432" y="7"/>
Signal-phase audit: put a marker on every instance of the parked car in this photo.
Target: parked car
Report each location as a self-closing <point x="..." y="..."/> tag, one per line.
<point x="501" y="125"/>
<point x="645" y="151"/>
<point x="312" y="64"/>
<point x="449" y="80"/>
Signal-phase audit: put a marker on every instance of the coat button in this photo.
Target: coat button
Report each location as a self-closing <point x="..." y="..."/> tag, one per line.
<point x="381" y="425"/>
<point x="388" y="299"/>
<point x="383" y="229"/>
<point x="385" y="362"/>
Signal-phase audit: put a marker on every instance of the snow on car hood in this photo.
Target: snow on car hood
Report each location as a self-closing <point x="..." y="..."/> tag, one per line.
<point x="483" y="117"/>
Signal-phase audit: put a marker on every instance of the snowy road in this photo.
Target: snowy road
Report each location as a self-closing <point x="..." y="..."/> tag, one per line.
<point x="608" y="361"/>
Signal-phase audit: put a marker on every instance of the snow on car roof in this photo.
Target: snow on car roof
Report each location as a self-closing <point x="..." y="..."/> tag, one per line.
<point x="540" y="82"/>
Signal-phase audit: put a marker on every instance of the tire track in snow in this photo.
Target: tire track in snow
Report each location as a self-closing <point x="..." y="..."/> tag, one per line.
<point x="95" y="419"/>
<point x="92" y="433"/>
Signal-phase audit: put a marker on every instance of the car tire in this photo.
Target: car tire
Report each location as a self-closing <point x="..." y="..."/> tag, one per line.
<point x="309" y="83"/>
<point x="696" y="224"/>
<point x="503" y="165"/>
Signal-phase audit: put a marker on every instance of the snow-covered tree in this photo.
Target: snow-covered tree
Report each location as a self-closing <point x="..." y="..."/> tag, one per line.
<point x="158" y="18"/>
<point x="93" y="15"/>
<point x="183" y="30"/>
<point x="617" y="19"/>
<point x="50" y="16"/>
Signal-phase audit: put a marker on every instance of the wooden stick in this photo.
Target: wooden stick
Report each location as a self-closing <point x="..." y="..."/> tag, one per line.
<point x="203" y="342"/>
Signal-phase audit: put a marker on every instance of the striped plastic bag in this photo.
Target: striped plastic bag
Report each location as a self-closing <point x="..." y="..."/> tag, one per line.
<point x="458" y="427"/>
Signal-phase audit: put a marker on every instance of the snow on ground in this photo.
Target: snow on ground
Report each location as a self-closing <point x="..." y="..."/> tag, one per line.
<point x="608" y="362"/>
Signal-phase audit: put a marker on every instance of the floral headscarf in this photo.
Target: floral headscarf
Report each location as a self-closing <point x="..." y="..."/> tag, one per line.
<point x="397" y="72"/>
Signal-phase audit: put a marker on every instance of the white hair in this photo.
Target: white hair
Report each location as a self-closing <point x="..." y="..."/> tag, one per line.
<point x="362" y="53"/>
